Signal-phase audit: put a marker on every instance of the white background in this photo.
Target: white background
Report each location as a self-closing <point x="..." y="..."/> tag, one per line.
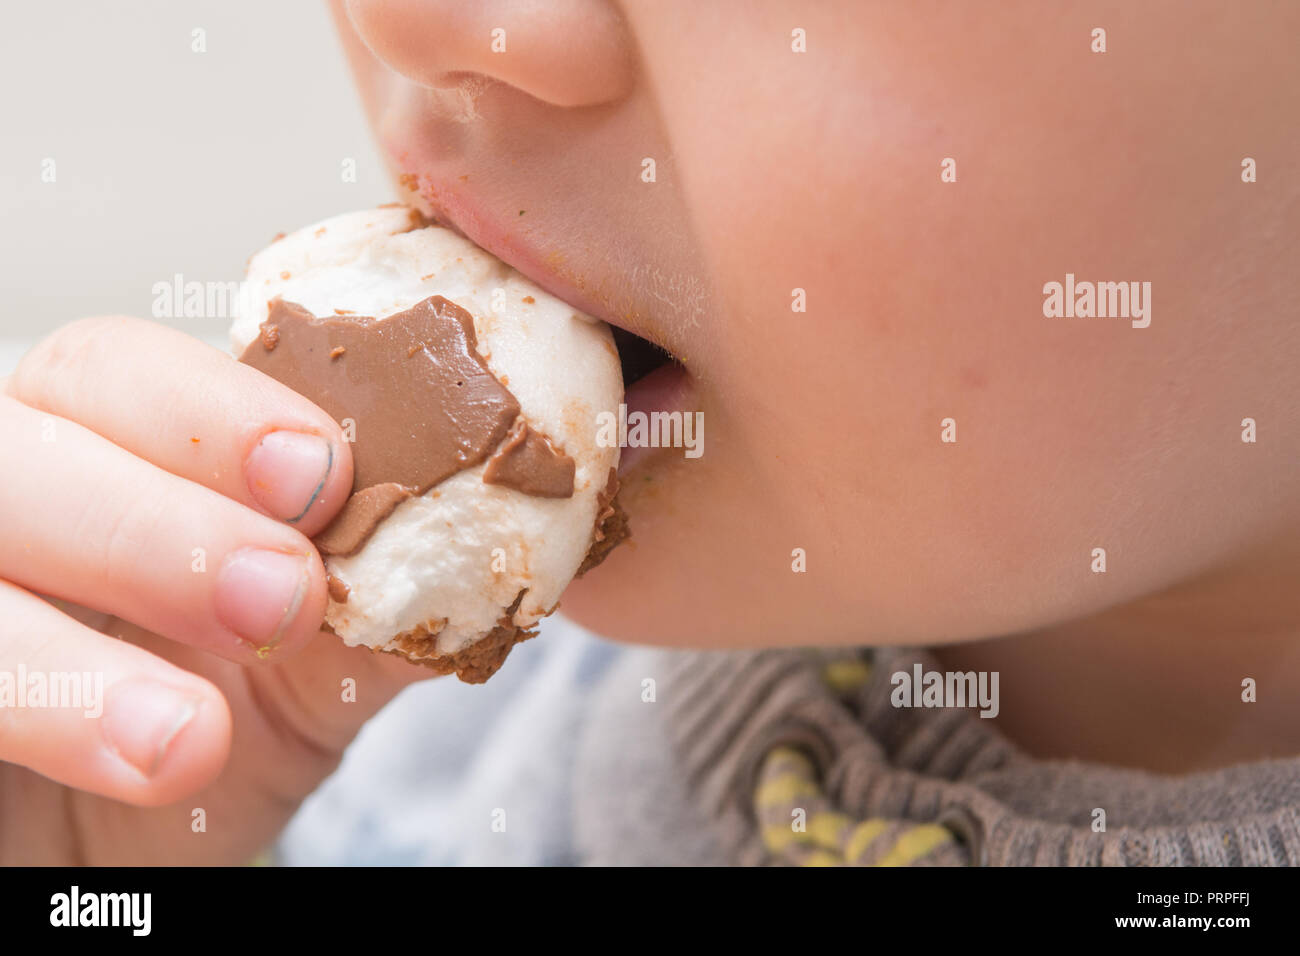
<point x="167" y="160"/>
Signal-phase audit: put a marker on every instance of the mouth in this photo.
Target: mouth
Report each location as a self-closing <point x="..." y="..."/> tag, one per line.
<point x="640" y="357"/>
<point x="654" y="378"/>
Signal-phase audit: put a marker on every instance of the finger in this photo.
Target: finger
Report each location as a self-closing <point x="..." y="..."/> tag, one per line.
<point x="194" y="411"/>
<point x="100" y="714"/>
<point x="86" y="521"/>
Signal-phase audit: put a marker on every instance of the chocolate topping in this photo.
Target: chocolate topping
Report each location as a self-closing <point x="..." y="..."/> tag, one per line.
<point x="611" y="527"/>
<point x="361" y="513"/>
<point x="424" y="402"/>
<point x="338" y="589"/>
<point x="528" y="462"/>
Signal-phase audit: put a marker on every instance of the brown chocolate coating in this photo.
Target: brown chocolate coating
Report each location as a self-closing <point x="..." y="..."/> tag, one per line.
<point x="611" y="528"/>
<point x="528" y="462"/>
<point x="424" y="404"/>
<point x="360" y="515"/>
<point x="338" y="589"/>
<point x="473" y="664"/>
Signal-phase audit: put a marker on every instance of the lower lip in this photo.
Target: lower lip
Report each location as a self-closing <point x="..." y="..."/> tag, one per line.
<point x="667" y="389"/>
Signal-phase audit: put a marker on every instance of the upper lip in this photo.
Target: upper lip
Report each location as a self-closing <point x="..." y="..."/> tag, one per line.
<point x="450" y="206"/>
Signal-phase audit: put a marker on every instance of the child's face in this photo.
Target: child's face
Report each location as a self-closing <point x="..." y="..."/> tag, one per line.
<point x="820" y="171"/>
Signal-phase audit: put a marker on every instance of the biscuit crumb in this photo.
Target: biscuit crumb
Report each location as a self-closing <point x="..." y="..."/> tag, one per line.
<point x="611" y="528"/>
<point x="473" y="664"/>
<point x="270" y="336"/>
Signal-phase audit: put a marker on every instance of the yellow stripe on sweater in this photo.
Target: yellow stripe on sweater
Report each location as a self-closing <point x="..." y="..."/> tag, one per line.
<point x="822" y="858"/>
<point x="862" y="837"/>
<point x="846" y="674"/>
<point x="827" y="829"/>
<point x="780" y="837"/>
<point x="785" y="789"/>
<point x="915" y="844"/>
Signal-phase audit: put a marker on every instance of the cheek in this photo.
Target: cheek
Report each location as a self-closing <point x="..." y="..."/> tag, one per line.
<point x="923" y="302"/>
<point x="1062" y="443"/>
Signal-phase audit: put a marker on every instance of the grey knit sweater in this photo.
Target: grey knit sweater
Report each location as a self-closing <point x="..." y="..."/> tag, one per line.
<point x="758" y="758"/>
<point x="694" y="776"/>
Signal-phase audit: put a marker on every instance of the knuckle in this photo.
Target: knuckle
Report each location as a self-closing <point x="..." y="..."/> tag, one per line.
<point x="50" y="373"/>
<point x="122" y="531"/>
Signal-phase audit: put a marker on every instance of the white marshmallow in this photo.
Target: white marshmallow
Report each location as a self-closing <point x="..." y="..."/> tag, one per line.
<point x="433" y="557"/>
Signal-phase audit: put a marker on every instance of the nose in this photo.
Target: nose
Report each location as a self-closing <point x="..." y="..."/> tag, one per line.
<point x="568" y="53"/>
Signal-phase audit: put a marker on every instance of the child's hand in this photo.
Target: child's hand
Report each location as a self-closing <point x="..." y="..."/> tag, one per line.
<point x="157" y="480"/>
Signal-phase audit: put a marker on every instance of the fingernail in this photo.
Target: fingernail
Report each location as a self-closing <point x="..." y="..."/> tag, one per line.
<point x="286" y="472"/>
<point x="142" y="718"/>
<point x="259" y="593"/>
